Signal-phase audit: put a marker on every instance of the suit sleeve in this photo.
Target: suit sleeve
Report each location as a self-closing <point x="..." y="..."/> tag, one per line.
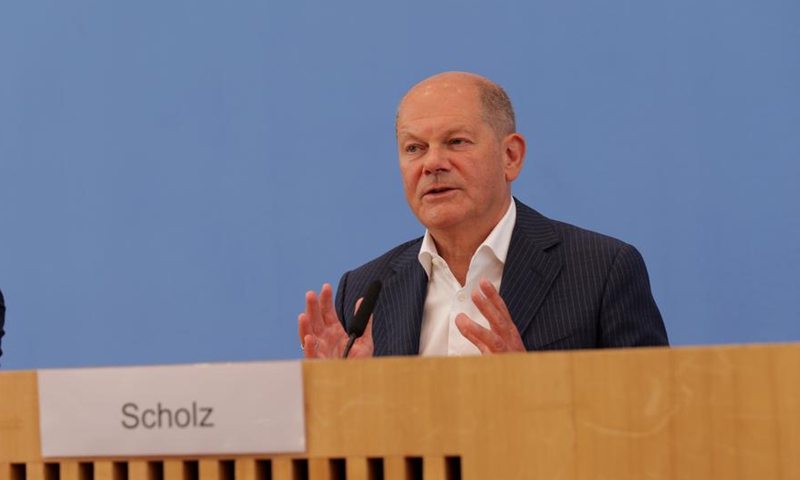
<point x="629" y="314"/>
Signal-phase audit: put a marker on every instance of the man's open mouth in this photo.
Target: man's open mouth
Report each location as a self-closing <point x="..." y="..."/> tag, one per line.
<point x="438" y="190"/>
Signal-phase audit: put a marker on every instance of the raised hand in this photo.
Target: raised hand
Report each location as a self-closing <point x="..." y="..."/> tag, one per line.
<point x="321" y="332"/>
<point x="502" y="335"/>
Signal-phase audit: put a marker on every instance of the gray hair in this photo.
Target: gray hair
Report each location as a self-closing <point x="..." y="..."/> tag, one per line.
<point x="497" y="109"/>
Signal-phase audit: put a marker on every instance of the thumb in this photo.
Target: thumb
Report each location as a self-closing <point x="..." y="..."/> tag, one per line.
<point x="358" y="304"/>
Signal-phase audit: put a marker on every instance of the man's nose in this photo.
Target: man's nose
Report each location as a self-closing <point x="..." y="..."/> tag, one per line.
<point x="436" y="161"/>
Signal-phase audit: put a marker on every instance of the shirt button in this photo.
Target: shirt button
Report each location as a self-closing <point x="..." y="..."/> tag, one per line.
<point x="461" y="296"/>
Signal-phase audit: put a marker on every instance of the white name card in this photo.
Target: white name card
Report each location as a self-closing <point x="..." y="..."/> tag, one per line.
<point x="172" y="410"/>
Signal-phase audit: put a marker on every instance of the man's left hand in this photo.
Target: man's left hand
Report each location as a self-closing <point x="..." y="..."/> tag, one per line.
<point x="502" y="335"/>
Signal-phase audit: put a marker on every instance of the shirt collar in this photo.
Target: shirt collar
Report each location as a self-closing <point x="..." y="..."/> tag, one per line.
<point x="497" y="242"/>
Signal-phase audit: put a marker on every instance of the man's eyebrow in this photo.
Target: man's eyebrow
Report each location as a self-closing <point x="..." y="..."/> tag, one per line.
<point x="450" y="131"/>
<point x="406" y="134"/>
<point x="459" y="129"/>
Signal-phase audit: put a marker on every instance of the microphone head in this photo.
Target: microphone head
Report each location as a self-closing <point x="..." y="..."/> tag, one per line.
<point x="359" y="322"/>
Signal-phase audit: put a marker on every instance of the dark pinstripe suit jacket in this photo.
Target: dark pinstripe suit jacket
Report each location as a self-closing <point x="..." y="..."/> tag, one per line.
<point x="566" y="288"/>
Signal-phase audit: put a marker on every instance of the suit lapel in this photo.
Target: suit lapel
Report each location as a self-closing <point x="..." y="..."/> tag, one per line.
<point x="530" y="270"/>
<point x="528" y="276"/>
<point x="400" y="307"/>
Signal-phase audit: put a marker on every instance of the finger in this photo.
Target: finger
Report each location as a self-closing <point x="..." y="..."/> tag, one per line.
<point x="329" y="316"/>
<point x="364" y="346"/>
<point x="466" y="327"/>
<point x="355" y="311"/>
<point x="490" y="313"/>
<point x="493" y="296"/>
<point x="309" y="343"/>
<point x="362" y="343"/>
<point x="314" y="313"/>
<point x="483" y="338"/>
<point x="494" y="309"/>
<point x="492" y="306"/>
<point x="358" y="304"/>
<point x="311" y="349"/>
<point x="303" y="327"/>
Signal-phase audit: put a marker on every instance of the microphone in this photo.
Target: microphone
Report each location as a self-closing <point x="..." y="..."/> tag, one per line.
<point x="359" y="323"/>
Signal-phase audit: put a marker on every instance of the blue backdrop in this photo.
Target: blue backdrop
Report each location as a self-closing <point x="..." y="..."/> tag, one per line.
<point x="175" y="175"/>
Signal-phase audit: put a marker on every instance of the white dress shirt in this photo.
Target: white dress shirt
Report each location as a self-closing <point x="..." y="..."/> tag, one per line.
<point x="447" y="297"/>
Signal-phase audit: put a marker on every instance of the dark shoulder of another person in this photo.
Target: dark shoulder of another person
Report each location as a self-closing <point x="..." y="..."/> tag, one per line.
<point x="2" y="320"/>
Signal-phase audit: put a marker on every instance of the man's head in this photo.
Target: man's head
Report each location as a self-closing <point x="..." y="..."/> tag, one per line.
<point x="496" y="108"/>
<point x="459" y="152"/>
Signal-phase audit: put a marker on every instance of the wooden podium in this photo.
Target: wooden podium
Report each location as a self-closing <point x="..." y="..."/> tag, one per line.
<point x="694" y="413"/>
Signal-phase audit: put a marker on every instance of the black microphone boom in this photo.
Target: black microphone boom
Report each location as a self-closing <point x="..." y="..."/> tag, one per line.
<point x="359" y="323"/>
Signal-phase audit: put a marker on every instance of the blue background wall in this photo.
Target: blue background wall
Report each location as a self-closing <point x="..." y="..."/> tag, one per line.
<point x="175" y="175"/>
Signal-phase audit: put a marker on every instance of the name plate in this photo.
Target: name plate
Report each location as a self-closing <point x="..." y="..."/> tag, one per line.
<point x="172" y="410"/>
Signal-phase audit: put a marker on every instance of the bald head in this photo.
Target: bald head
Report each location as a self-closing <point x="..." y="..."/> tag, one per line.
<point x="496" y="108"/>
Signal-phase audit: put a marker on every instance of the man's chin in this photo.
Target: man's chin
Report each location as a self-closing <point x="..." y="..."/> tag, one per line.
<point x="441" y="221"/>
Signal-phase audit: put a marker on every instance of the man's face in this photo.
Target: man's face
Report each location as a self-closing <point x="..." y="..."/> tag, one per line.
<point x="456" y="174"/>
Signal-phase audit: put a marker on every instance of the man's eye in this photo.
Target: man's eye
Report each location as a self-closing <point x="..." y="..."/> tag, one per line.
<point x="458" y="141"/>
<point x="412" y="149"/>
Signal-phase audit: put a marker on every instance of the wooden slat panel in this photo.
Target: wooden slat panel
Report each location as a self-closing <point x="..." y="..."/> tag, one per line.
<point x="282" y="468"/>
<point x="622" y="415"/>
<point x="319" y="469"/>
<point x="138" y="470"/>
<point x="786" y="378"/>
<point x="442" y="406"/>
<point x="394" y="468"/>
<point x="103" y="470"/>
<point x="245" y="469"/>
<point x="209" y="469"/>
<point x="433" y="468"/>
<point x="34" y="471"/>
<point x="70" y="470"/>
<point x="19" y="418"/>
<point x="174" y="470"/>
<point x="357" y="468"/>
<point x="721" y="412"/>
<point x="756" y="416"/>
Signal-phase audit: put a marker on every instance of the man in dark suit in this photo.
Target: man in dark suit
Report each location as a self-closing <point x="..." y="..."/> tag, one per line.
<point x="490" y="275"/>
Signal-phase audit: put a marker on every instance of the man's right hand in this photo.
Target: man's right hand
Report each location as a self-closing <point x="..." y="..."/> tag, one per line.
<point x="321" y="332"/>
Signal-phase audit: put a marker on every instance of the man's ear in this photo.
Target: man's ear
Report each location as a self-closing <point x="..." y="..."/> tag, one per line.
<point x="513" y="155"/>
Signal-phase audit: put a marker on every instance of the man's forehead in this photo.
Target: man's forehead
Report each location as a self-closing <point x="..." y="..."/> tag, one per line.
<point x="448" y="81"/>
<point x="431" y="125"/>
<point x="442" y="87"/>
<point x="437" y="103"/>
<point x="438" y="92"/>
